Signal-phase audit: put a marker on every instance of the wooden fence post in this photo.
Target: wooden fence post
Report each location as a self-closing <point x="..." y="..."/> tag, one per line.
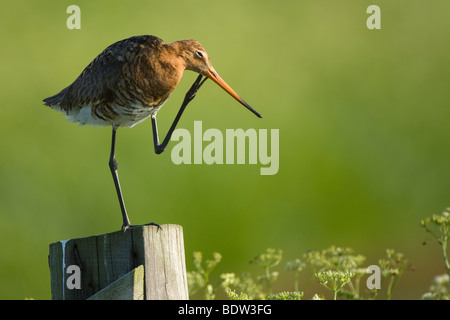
<point x="108" y="265"/>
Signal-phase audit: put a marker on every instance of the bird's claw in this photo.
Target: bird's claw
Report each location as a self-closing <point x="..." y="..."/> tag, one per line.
<point x="194" y="88"/>
<point x="127" y="227"/>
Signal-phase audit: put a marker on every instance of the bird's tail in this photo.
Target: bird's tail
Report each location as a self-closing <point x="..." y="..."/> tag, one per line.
<point x="54" y="100"/>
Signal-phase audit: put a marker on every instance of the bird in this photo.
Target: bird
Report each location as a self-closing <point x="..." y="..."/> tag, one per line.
<point x="130" y="81"/>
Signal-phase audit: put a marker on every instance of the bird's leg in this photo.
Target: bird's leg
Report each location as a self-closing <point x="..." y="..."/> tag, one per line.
<point x="113" y="167"/>
<point x="159" y="148"/>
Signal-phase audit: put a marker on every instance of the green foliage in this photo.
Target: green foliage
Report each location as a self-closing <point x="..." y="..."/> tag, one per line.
<point x="286" y="296"/>
<point x="336" y="269"/>
<point x="339" y="260"/>
<point x="198" y="280"/>
<point x="333" y="258"/>
<point x="268" y="260"/>
<point x="439" y="227"/>
<point x="439" y="289"/>
<point x="339" y="270"/>
<point x="234" y="296"/>
<point x="295" y="266"/>
<point x="334" y="280"/>
<point x="244" y="283"/>
<point x="393" y="266"/>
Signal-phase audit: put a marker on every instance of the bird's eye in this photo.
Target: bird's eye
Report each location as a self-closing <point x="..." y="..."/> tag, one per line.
<point x="199" y="54"/>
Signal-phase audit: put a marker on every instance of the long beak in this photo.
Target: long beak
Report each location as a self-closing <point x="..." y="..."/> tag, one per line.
<point x="212" y="74"/>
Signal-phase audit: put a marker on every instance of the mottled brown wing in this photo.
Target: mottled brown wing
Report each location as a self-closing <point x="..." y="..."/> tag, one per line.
<point x="98" y="81"/>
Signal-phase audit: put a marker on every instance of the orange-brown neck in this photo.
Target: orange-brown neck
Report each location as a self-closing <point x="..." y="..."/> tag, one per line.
<point x="163" y="72"/>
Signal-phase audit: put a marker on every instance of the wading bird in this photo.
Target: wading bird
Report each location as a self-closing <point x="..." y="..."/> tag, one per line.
<point x="129" y="82"/>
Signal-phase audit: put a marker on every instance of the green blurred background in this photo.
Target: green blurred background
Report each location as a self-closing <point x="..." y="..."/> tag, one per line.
<point x="363" y="118"/>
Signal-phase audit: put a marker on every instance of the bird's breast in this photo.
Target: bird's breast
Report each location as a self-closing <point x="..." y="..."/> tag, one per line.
<point x="111" y="114"/>
<point x="127" y="115"/>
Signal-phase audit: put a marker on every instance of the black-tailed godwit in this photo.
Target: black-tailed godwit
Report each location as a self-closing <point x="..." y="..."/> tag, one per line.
<point x="129" y="82"/>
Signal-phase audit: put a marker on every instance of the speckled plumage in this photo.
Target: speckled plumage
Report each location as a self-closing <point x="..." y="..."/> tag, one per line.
<point x="126" y="83"/>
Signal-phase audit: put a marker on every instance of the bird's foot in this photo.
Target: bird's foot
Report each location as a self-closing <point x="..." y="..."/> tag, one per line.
<point x="129" y="226"/>
<point x="194" y="88"/>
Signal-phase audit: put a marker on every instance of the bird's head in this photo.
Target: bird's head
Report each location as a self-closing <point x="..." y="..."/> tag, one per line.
<point x="197" y="60"/>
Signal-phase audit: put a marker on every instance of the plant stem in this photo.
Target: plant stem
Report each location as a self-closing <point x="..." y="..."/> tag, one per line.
<point x="389" y="288"/>
<point x="354" y="288"/>
<point x="336" y="288"/>
<point x="269" y="282"/>
<point x="296" y="281"/>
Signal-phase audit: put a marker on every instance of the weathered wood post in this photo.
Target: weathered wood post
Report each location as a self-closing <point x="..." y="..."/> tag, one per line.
<point x="142" y="263"/>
